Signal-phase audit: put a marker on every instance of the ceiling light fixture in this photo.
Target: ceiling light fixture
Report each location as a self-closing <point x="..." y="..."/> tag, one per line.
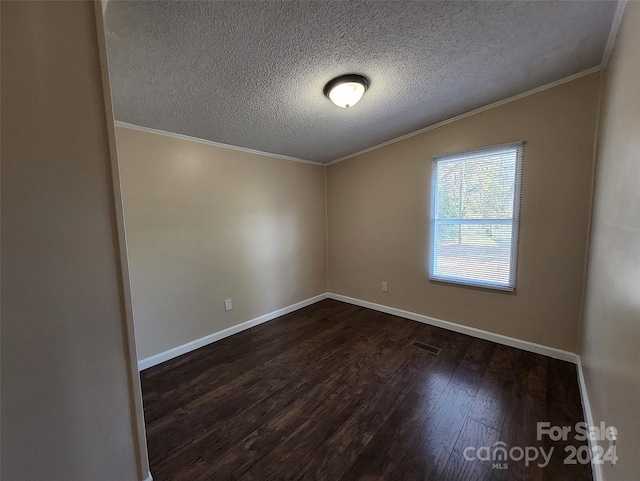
<point x="347" y="90"/>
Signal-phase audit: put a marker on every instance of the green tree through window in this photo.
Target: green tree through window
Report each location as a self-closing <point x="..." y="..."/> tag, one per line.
<point x="474" y="217"/>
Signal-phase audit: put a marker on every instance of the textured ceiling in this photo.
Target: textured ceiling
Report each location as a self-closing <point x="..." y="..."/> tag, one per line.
<point x="251" y="73"/>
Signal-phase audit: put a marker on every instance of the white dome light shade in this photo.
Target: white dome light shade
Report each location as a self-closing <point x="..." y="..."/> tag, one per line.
<point x="347" y="94"/>
<point x="346" y="91"/>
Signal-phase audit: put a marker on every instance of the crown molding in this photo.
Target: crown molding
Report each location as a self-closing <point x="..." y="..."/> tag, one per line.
<point x="173" y="135"/>
<point x="570" y="78"/>
<point x="615" y="26"/>
<point x="576" y="76"/>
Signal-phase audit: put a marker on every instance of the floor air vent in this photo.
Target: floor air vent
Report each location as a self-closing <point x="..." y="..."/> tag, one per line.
<point x="426" y="347"/>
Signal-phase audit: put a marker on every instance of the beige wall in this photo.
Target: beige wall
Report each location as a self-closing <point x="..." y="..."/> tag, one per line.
<point x="205" y="224"/>
<point x="611" y="332"/>
<point x="378" y="218"/>
<point x="66" y="385"/>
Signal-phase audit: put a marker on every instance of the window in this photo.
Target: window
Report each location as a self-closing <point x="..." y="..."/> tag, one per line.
<point x="474" y="217"/>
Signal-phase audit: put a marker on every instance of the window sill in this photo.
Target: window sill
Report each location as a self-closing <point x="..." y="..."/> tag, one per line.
<point x="471" y="284"/>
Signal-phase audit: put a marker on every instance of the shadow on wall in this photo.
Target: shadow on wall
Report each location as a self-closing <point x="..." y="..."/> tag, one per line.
<point x="269" y="247"/>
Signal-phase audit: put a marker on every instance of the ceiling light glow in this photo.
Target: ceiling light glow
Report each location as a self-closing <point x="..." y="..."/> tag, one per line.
<point x="347" y="90"/>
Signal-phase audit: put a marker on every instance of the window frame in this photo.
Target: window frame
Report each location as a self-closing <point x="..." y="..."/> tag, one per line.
<point x="515" y="217"/>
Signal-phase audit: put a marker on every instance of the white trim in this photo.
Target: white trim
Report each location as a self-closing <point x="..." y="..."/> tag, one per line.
<point x="470" y="331"/>
<point x="570" y="78"/>
<point x="615" y="26"/>
<point x="216" y="336"/>
<point x="516" y="148"/>
<point x="596" y="469"/>
<point x="173" y="135"/>
<point x="473" y="112"/>
<point x="326" y="231"/>
<point x="481" y="151"/>
<point x="477" y="333"/>
<point x="121" y="253"/>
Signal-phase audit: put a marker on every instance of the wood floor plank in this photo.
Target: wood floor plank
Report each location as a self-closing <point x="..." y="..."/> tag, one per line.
<point x="288" y="376"/>
<point x="223" y="378"/>
<point x="335" y="457"/>
<point x="391" y="444"/>
<point x="224" y="360"/>
<point x="384" y="453"/>
<point x="496" y="393"/>
<point x="436" y="433"/>
<point x="336" y="392"/>
<point x="473" y="434"/>
<point x="563" y="409"/>
<point x="286" y="460"/>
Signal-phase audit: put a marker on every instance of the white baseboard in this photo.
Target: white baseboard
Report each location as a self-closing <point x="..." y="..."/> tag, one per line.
<point x="216" y="336"/>
<point x="470" y="331"/>
<point x="596" y="469"/>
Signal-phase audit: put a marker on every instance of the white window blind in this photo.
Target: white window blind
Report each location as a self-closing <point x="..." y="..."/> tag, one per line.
<point x="475" y="217"/>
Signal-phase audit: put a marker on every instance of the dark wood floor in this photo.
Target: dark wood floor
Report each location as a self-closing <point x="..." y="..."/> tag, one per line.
<point x="336" y="392"/>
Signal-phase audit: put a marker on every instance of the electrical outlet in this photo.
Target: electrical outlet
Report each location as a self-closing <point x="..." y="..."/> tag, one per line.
<point x="385" y="287"/>
<point x="228" y="305"/>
